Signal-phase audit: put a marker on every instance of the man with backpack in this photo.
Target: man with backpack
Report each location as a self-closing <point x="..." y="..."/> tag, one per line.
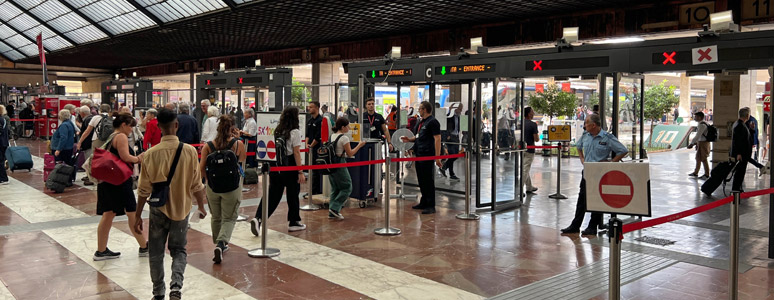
<point x="101" y="125"/>
<point x="705" y="134"/>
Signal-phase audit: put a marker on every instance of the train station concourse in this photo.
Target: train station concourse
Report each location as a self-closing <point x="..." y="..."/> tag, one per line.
<point x="239" y="149"/>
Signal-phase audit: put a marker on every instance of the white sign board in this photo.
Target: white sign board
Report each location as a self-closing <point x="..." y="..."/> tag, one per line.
<point x="440" y="115"/>
<point x="267" y="122"/>
<point x="704" y="55"/>
<point x="620" y="188"/>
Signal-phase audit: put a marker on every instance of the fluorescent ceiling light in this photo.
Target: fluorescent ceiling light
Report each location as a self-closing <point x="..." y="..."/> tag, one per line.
<point x="721" y="20"/>
<point x="631" y="39"/>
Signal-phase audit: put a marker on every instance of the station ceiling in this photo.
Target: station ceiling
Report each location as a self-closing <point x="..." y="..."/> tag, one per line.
<point x="127" y="33"/>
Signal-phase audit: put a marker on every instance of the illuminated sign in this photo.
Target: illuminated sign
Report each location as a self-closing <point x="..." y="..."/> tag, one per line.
<point x="538" y="64"/>
<point x="480" y="68"/>
<point x="670" y="58"/>
<point x="215" y="81"/>
<point x="127" y="87"/>
<point x="241" y="80"/>
<point x="385" y="73"/>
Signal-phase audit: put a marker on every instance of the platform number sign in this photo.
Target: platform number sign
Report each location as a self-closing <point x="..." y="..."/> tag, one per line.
<point x="754" y="9"/>
<point x="697" y="13"/>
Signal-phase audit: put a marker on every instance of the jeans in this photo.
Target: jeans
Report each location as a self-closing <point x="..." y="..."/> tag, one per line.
<point x="278" y="183"/>
<point x="341" y="187"/>
<point x="426" y="180"/>
<point x="580" y="210"/>
<point x="526" y="166"/>
<point x="163" y="230"/>
<point x="3" y="174"/>
<point x="224" y="208"/>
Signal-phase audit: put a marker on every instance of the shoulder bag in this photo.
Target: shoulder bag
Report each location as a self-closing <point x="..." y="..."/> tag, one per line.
<point x="160" y="192"/>
<point x="108" y="167"/>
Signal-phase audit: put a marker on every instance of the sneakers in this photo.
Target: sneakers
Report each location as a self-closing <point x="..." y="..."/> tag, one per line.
<point x="296" y="226"/>
<point x="158" y="297"/>
<point x="143" y="251"/>
<point x="105" y="255"/>
<point x="704" y="177"/>
<point x="88" y="182"/>
<point x="174" y="293"/>
<point x="454" y="177"/>
<point x="218" y="256"/>
<point x="255" y="226"/>
<point x="428" y="211"/>
<point x="5" y="182"/>
<point x="335" y="214"/>
<point x="442" y="171"/>
<point x="693" y="175"/>
<point x="532" y="190"/>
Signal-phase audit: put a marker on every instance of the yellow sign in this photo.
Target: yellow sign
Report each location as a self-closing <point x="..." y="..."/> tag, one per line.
<point x="559" y="133"/>
<point x="354" y="130"/>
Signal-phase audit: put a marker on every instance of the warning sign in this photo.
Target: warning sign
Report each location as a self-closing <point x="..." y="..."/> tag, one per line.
<point x="704" y="55"/>
<point x="355" y="132"/>
<point x="622" y="188"/>
<point x="559" y="133"/>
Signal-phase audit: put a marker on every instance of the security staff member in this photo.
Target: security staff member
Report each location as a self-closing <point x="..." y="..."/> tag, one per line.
<point x="377" y="125"/>
<point x="595" y="145"/>
<point x="427" y="142"/>
<point x="314" y="140"/>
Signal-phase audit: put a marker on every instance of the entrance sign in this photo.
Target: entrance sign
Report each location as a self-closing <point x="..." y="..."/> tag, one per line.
<point x="621" y="188"/>
<point x="704" y="55"/>
<point x="267" y="122"/>
<point x="559" y="133"/>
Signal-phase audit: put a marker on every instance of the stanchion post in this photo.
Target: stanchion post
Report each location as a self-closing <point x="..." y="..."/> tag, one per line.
<point x="614" y="238"/>
<point x="387" y="230"/>
<point x="558" y="194"/>
<point x="310" y="205"/>
<point x="242" y="218"/>
<point x="467" y="215"/>
<point x="264" y="251"/>
<point x="733" y="268"/>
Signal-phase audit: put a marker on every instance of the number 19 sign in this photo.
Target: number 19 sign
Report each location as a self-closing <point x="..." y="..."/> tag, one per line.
<point x="620" y="188"/>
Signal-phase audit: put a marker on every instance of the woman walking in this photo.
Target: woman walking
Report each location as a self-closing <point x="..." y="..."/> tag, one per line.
<point x="341" y="182"/>
<point x="63" y="141"/>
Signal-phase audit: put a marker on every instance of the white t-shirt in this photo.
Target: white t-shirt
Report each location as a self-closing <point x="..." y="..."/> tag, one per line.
<point x="295" y="140"/>
<point x="95" y="123"/>
<point x="250" y="127"/>
<point x="210" y="129"/>
<point x="344" y="140"/>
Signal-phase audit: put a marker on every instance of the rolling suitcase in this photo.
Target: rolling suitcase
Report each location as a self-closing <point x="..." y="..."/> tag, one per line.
<point x="19" y="158"/>
<point x="60" y="178"/>
<point x="721" y="174"/>
<point x="49" y="163"/>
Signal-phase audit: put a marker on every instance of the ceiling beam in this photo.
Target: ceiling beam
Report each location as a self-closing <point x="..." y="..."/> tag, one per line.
<point x="231" y="4"/>
<point x="85" y="17"/>
<point x="142" y="9"/>
<point x="22" y="35"/>
<point x="33" y="16"/>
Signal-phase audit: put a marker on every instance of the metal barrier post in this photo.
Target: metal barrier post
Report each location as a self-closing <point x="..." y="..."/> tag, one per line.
<point x="733" y="268"/>
<point x="614" y="234"/>
<point x="242" y="218"/>
<point x="558" y="194"/>
<point x="263" y="251"/>
<point x="387" y="230"/>
<point x="310" y="205"/>
<point x="400" y="174"/>
<point x="467" y="215"/>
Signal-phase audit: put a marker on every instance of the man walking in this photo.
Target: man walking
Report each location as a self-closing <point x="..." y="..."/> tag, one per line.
<point x="741" y="148"/>
<point x="188" y="128"/>
<point x="452" y="136"/>
<point x="703" y="147"/>
<point x="595" y="145"/>
<point x="314" y="141"/>
<point x="530" y="136"/>
<point x="427" y="142"/>
<point x="169" y="223"/>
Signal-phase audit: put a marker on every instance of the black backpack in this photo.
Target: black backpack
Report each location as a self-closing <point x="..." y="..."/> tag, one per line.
<point x="105" y="128"/>
<point x="280" y="147"/>
<point x="223" y="169"/>
<point x="712" y="133"/>
<point x="326" y="154"/>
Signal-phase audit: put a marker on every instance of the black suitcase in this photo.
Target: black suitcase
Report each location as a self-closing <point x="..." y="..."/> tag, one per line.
<point x="720" y="175"/>
<point x="59" y="178"/>
<point x="251" y="176"/>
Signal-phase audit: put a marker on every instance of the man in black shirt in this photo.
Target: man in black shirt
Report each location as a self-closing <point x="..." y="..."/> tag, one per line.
<point x="187" y="126"/>
<point x="377" y="125"/>
<point x="314" y="140"/>
<point x="530" y="136"/>
<point x="452" y="136"/>
<point x="427" y="142"/>
<point x="741" y="148"/>
<point x="10" y="109"/>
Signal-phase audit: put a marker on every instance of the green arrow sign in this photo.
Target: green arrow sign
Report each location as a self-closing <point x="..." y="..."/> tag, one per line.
<point x="443" y="70"/>
<point x="373" y="74"/>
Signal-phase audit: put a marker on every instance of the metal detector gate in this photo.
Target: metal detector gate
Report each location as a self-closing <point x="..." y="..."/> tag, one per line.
<point x="275" y="82"/>
<point x="131" y="92"/>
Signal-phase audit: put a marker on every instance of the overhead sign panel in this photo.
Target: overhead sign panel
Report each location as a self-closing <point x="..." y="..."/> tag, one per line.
<point x="464" y="69"/>
<point x="392" y="73"/>
<point x="539" y="64"/>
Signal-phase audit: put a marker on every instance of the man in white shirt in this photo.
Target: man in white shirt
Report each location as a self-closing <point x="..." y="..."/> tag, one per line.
<point x="248" y="133"/>
<point x="703" y="147"/>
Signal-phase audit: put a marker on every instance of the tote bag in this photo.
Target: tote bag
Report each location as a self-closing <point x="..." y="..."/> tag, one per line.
<point x="107" y="167"/>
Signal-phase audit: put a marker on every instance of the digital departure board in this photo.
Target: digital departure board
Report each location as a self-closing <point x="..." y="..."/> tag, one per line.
<point x="567" y="63"/>
<point x="464" y="69"/>
<point x="391" y="73"/>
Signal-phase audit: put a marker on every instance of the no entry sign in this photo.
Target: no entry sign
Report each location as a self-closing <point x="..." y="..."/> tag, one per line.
<point x="622" y="188"/>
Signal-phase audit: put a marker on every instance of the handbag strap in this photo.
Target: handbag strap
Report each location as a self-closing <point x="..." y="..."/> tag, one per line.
<point x="174" y="163"/>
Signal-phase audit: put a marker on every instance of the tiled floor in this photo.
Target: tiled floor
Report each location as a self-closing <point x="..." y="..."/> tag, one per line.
<point x="436" y="256"/>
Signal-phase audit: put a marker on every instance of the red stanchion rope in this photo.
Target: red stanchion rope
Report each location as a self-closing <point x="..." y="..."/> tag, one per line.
<point x="756" y="193"/>
<point x="28" y="120"/>
<point x="422" y="158"/>
<point x="330" y="166"/>
<point x="543" y="147"/>
<point x="658" y="221"/>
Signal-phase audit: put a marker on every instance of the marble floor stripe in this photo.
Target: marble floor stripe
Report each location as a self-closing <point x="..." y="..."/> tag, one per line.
<point x="5" y="294"/>
<point x="356" y="273"/>
<point x="129" y="271"/>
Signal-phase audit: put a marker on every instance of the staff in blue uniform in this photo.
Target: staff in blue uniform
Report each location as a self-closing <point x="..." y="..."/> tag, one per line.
<point x="596" y="145"/>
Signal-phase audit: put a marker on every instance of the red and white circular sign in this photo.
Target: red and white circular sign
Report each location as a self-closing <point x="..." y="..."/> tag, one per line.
<point x="270" y="150"/>
<point x="616" y="189"/>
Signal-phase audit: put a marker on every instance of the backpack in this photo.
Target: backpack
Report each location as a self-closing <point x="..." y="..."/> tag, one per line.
<point x="325" y="155"/>
<point x="712" y="133"/>
<point x="280" y="146"/>
<point x="105" y="128"/>
<point x="222" y="169"/>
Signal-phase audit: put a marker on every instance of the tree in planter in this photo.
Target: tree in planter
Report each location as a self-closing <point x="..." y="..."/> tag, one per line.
<point x="298" y="93"/>
<point x="659" y="100"/>
<point x="554" y="102"/>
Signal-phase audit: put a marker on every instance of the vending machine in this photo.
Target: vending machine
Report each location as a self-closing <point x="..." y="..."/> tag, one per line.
<point x="48" y="107"/>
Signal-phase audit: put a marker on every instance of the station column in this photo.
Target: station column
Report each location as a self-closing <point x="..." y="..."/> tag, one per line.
<point x="685" y="96"/>
<point x="726" y="98"/>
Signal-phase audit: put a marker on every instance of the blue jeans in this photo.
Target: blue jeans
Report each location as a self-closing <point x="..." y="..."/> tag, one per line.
<point x="341" y="186"/>
<point x="163" y="230"/>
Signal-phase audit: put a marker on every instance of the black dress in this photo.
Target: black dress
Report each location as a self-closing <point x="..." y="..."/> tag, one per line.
<point x="116" y="198"/>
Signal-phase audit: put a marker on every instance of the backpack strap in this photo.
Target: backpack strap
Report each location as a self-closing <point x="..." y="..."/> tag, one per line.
<point x="336" y="142"/>
<point x="231" y="144"/>
<point x="174" y="163"/>
<point x="212" y="146"/>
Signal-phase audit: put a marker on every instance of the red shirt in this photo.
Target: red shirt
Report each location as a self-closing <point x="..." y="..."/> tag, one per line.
<point x="152" y="134"/>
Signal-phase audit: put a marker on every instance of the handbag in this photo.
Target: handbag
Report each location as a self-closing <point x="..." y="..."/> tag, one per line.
<point x="160" y="192"/>
<point x="107" y="167"/>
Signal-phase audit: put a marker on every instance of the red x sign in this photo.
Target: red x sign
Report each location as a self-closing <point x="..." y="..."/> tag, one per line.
<point x="670" y="58"/>
<point x="240" y="80"/>
<point x="704" y="54"/>
<point x="537" y="65"/>
<point x="208" y="82"/>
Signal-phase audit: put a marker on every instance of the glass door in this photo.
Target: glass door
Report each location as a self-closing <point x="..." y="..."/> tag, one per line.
<point x="629" y="100"/>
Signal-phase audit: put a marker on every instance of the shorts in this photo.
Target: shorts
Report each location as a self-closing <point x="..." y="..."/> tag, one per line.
<point x="116" y="198"/>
